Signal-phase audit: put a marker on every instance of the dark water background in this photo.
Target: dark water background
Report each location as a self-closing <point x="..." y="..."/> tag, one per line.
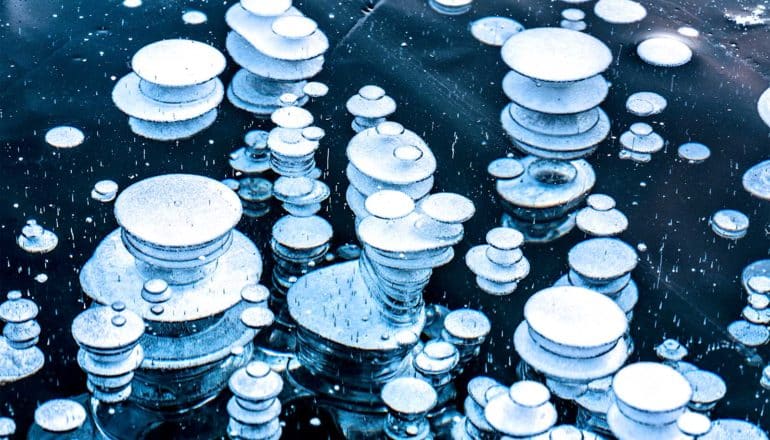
<point x="56" y="64"/>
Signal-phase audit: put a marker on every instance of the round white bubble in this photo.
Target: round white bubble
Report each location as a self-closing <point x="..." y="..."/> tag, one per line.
<point x="494" y="31"/>
<point x="664" y="52"/>
<point x="694" y="152"/>
<point x="64" y="137"/>
<point x="646" y="104"/>
<point x="194" y="17"/>
<point x="687" y="31"/>
<point x="620" y="11"/>
<point x="729" y="223"/>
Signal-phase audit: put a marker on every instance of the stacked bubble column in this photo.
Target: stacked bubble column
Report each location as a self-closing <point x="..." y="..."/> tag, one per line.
<point x="278" y="49"/>
<point x="300" y="240"/>
<point x="180" y="266"/>
<point x="19" y="355"/>
<point x="170" y="98"/>
<point x="555" y="86"/>
<point x="254" y="407"/>
<point x="351" y="341"/>
<point x="387" y="157"/>
<point x="370" y="107"/>
<point x="539" y="196"/>
<point x="571" y="337"/>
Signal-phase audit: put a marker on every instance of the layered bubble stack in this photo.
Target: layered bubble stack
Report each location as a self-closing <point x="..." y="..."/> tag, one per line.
<point x="364" y="335"/>
<point x="173" y="91"/>
<point x="408" y="400"/>
<point x="179" y="264"/>
<point x="555" y="85"/>
<point x="109" y="350"/>
<point x="278" y="49"/>
<point x="499" y="265"/>
<point x="539" y="196"/>
<point x="254" y="407"/>
<point x="19" y="355"/>
<point x="649" y="399"/>
<point x="571" y="336"/>
<point x="604" y="265"/>
<point x="387" y="157"/>
<point x="369" y="107"/>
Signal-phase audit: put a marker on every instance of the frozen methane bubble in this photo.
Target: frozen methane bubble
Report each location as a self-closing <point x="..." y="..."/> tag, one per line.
<point x="600" y="218"/>
<point x="64" y="137"/>
<point x="278" y="49"/>
<point x="540" y="201"/>
<point x="731" y="429"/>
<point x="364" y="333"/>
<point x="389" y="204"/>
<point x="7" y="428"/>
<point x="388" y="157"/>
<point x="694" y="152"/>
<point x="708" y="389"/>
<point x="451" y="7"/>
<point x="300" y="240"/>
<point x="301" y="196"/>
<point x="167" y="234"/>
<point x="299" y="244"/>
<point x="104" y="191"/>
<point x="671" y="350"/>
<point x="60" y="416"/>
<point x="693" y="424"/>
<point x="494" y="30"/>
<point x="572" y="336"/>
<point x="688" y="31"/>
<point x="664" y="52"/>
<point x="641" y="139"/>
<point x="620" y="11"/>
<point x="255" y="194"/>
<point x="555" y="86"/>
<point x="480" y="390"/>
<point x="573" y="19"/>
<point x="763" y="106"/>
<point x="466" y="329"/>
<point x="646" y="104"/>
<point x="315" y="89"/>
<point x="524" y="411"/>
<point x="254" y="407"/>
<point x="109" y="350"/>
<point x="756" y="180"/>
<point x="19" y="357"/>
<point x="437" y="363"/>
<point x="556" y="55"/>
<point x="505" y="168"/>
<point x="752" y="335"/>
<point x="408" y="401"/>
<point x="132" y="3"/>
<point x="755" y="277"/>
<point x="194" y="17"/>
<point x="604" y="265"/>
<point x="500" y="264"/>
<point x="254" y="158"/>
<point x="292" y="149"/>
<point x="649" y="399"/>
<point x="35" y="239"/>
<point x="729" y="223"/>
<point x="593" y="405"/>
<point x="173" y="91"/>
<point x="370" y="107"/>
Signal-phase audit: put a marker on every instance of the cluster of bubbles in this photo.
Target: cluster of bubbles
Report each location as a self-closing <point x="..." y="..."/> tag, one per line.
<point x="179" y="314"/>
